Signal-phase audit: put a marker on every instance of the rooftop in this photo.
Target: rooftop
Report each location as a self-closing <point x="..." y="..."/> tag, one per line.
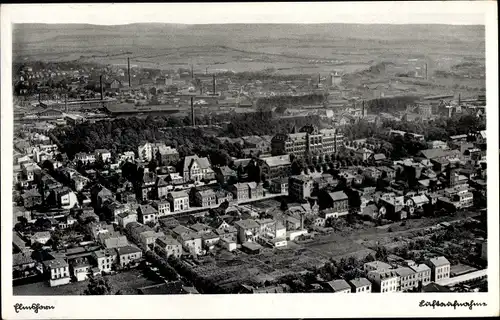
<point x="127" y="250"/>
<point x="360" y="282"/>
<point x="439" y="261"/>
<point x="339" y="285"/>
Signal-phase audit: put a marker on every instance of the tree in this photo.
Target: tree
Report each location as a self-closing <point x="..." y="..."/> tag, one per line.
<point x="284" y="205"/>
<point x="97" y="286"/>
<point x="381" y="254"/>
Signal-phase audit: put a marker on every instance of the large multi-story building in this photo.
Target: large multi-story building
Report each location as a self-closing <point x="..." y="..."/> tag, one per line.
<point x="300" y="187"/>
<point x="309" y="140"/>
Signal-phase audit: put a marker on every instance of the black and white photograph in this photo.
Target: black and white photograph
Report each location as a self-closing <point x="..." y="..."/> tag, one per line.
<point x="233" y="149"/>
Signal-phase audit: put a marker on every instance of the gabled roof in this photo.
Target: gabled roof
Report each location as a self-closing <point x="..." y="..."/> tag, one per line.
<point x="439" y="261"/>
<point x="339" y="285"/>
<point x="338" y="195"/>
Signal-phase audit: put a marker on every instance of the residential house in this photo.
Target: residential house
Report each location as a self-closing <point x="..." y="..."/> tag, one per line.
<point x="210" y="239"/>
<point x="240" y="191"/>
<point x="41" y="237"/>
<point x="376" y="265"/>
<point x="105" y="259"/>
<point x="384" y="281"/>
<point x="190" y="240"/>
<point x="440" y="268"/>
<point x="255" y="189"/>
<point x="162" y="207"/>
<point x="163" y="187"/>
<point x="338" y="202"/>
<point x="167" y="155"/>
<point x="338" y="286"/>
<point x="363" y="154"/>
<point x="205" y="197"/>
<point x="179" y="200"/>
<point x="222" y="195"/>
<point x="147" y="186"/>
<point x="168" y="246"/>
<point x="31" y="198"/>
<point x="102" y="155"/>
<point x="57" y="271"/>
<point x="197" y="169"/>
<point x="80" y="268"/>
<point x="279" y="185"/>
<point x="225" y="175"/>
<point x="112" y="240"/>
<point x="85" y="158"/>
<point x="300" y="187"/>
<point x="247" y="230"/>
<point x="147" y="214"/>
<point x="408" y="280"/>
<point x="128" y="255"/>
<point x="125" y="218"/>
<point x="360" y="285"/>
<point x="275" y="167"/>
<point x="422" y="271"/>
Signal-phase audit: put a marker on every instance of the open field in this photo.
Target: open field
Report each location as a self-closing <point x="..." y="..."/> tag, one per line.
<point x="126" y="281"/>
<point x="286" y="48"/>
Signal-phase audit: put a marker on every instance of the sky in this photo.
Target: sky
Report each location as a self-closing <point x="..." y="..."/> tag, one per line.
<point x="445" y="12"/>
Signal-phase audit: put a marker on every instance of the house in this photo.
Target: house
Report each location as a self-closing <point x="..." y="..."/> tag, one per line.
<point x="190" y="240"/>
<point x="85" y="158"/>
<point x="275" y="167"/>
<point x="162" y="208"/>
<point x="114" y="208"/>
<point x="125" y="218"/>
<point x="436" y="144"/>
<point x="434" y="287"/>
<point x="168" y="246"/>
<point x="179" y="200"/>
<point x="22" y="264"/>
<point x="440" y="268"/>
<point x="384" y="281"/>
<point x="80" y="268"/>
<point x="57" y="271"/>
<point x="279" y="185"/>
<point x="247" y="230"/>
<point x="147" y="186"/>
<point x="376" y="265"/>
<point x="338" y="202"/>
<point x="167" y="155"/>
<point x="338" y="286"/>
<point x="363" y="154"/>
<point x="423" y="273"/>
<point x="197" y="169"/>
<point x="210" y="239"/>
<point x="41" y="237"/>
<point x="378" y="157"/>
<point x="31" y="198"/>
<point x="112" y="240"/>
<point x="102" y="155"/>
<point x="240" y="191"/>
<point x="408" y="280"/>
<point x="255" y="190"/>
<point x="225" y="175"/>
<point x="128" y="255"/>
<point x="201" y="228"/>
<point x="96" y="228"/>
<point x="222" y="195"/>
<point x="147" y="214"/>
<point x="300" y="187"/>
<point x="360" y="285"/>
<point x="105" y="259"/>
<point x="205" y="197"/>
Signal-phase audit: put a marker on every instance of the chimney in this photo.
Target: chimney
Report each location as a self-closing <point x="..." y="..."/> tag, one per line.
<point x="301" y="222"/>
<point x="192" y="72"/>
<point x="426" y="71"/>
<point x="459" y="100"/>
<point x="102" y="90"/>
<point x="192" y="112"/>
<point x="363" y="108"/>
<point x="128" y="69"/>
<point x="214" y="85"/>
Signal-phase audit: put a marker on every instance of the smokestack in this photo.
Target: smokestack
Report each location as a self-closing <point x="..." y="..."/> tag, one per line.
<point x="426" y="71"/>
<point x="102" y="90"/>
<point x="459" y="100"/>
<point x="128" y="68"/>
<point x="214" y="85"/>
<point x="192" y="111"/>
<point x="192" y="72"/>
<point x="363" y="108"/>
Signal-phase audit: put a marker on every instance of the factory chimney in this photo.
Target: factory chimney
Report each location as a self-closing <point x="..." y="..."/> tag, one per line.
<point x="214" y="84"/>
<point x="459" y="100"/>
<point x="128" y="69"/>
<point x="426" y="78"/>
<point x="192" y="112"/>
<point x="363" y="108"/>
<point x="101" y="88"/>
<point x="192" y="72"/>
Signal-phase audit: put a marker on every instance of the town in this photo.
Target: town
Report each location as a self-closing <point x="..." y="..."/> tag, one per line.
<point x="130" y="180"/>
